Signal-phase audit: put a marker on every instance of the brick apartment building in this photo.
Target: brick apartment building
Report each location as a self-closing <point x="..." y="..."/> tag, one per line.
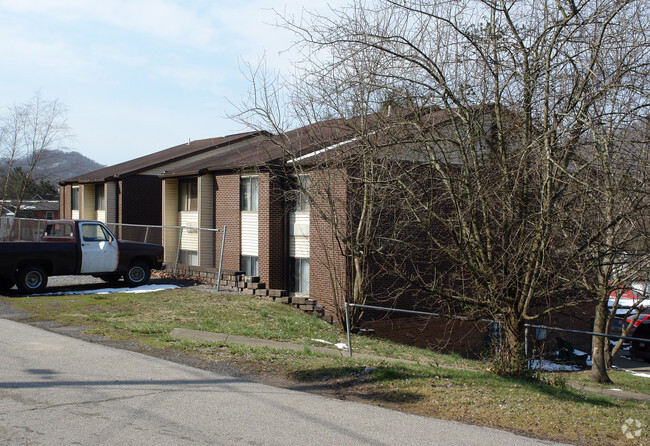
<point x="130" y="192"/>
<point x="272" y="232"/>
<point x="252" y="183"/>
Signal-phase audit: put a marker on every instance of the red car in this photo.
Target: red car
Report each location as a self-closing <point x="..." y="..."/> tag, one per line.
<point x="641" y="349"/>
<point x="643" y="318"/>
<point x="635" y="294"/>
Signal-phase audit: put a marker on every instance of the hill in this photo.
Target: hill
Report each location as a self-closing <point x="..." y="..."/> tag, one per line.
<point x="56" y="165"/>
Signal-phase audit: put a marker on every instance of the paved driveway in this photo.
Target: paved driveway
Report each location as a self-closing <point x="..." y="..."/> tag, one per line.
<point x="60" y="390"/>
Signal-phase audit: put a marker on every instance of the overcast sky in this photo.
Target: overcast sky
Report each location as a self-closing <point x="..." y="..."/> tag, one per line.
<point x="138" y="76"/>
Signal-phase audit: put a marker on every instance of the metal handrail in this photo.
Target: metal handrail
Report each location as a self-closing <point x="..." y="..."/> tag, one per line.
<point x="464" y="318"/>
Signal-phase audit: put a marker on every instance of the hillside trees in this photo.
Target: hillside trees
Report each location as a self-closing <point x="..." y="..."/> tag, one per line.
<point x="497" y="116"/>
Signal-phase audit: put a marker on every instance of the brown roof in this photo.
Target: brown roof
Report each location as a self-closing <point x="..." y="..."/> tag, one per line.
<point x="158" y="159"/>
<point x="271" y="150"/>
<point x="306" y="145"/>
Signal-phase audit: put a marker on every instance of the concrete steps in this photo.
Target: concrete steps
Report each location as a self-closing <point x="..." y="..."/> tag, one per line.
<point x="250" y="285"/>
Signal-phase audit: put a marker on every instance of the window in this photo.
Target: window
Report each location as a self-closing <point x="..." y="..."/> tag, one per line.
<point x="94" y="233"/>
<point x="59" y="230"/>
<point x="49" y="215"/>
<point x="75" y="198"/>
<point x="249" y="265"/>
<point x="298" y="194"/>
<point x="248" y="194"/>
<point x="189" y="257"/>
<point x="187" y="195"/>
<point x="299" y="276"/>
<point x="100" y="198"/>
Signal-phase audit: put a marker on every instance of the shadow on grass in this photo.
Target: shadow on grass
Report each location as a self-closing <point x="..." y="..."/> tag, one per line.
<point x="564" y="393"/>
<point x="365" y="382"/>
<point x="389" y="383"/>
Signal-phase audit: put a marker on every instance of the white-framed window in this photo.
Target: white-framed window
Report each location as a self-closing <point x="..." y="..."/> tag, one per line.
<point x="248" y="194"/>
<point x="249" y="265"/>
<point x="49" y="215"/>
<point x="299" y="275"/>
<point x="187" y="195"/>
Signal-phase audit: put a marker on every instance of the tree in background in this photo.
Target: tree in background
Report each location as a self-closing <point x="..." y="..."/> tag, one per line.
<point x="27" y="131"/>
<point x="18" y="182"/>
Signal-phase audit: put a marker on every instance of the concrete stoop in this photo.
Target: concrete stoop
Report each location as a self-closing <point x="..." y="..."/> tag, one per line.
<point x="238" y="281"/>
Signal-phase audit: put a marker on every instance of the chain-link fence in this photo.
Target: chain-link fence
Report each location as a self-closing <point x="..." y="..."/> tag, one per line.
<point x="21" y="229"/>
<point x="185" y="239"/>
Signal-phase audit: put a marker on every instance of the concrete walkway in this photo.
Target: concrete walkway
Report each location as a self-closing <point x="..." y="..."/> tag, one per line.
<point x="196" y="335"/>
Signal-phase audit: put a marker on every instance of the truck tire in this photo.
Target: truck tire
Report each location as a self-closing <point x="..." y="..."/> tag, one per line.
<point x="138" y="274"/>
<point x="6" y="283"/>
<point x="31" y="279"/>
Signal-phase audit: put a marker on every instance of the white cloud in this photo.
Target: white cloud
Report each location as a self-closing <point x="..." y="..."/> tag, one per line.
<point x="161" y="19"/>
<point x="252" y="27"/>
<point x="26" y="52"/>
<point x="193" y="77"/>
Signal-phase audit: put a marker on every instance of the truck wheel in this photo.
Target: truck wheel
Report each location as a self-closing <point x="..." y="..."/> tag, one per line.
<point x="6" y="283"/>
<point x="32" y="279"/>
<point x="138" y="274"/>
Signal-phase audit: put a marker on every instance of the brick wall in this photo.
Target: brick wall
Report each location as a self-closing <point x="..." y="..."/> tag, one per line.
<point x="65" y="201"/>
<point x="576" y="318"/>
<point x="446" y="335"/>
<point x="141" y="200"/>
<point x="328" y="277"/>
<point x="271" y="212"/>
<point x="226" y="208"/>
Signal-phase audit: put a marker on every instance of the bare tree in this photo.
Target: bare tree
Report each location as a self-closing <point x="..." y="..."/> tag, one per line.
<point x="611" y="212"/>
<point x="28" y="130"/>
<point x="488" y="109"/>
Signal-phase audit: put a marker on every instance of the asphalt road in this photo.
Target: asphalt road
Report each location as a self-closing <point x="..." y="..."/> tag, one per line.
<point x="60" y="390"/>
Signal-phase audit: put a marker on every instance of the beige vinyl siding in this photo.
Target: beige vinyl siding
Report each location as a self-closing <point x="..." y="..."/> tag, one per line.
<point x="87" y="201"/>
<point x="249" y="234"/>
<point x="206" y="220"/>
<point x="170" y="218"/>
<point x="190" y="237"/>
<point x="299" y="234"/>
<point x="101" y="216"/>
<point x="111" y="202"/>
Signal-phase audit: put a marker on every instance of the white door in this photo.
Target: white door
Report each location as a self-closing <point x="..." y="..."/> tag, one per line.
<point x="98" y="249"/>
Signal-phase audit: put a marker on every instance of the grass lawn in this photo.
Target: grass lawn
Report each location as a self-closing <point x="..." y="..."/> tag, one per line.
<point x="440" y="385"/>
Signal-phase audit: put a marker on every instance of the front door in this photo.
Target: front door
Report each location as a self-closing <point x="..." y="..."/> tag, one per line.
<point x="98" y="249"/>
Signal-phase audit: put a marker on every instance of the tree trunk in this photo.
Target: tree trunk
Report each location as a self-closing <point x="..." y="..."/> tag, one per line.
<point x="599" y="346"/>
<point x="511" y="359"/>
